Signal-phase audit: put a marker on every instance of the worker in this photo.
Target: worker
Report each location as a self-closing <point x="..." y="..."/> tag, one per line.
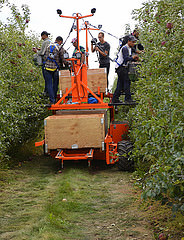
<point x="51" y="71"/>
<point x="41" y="52"/>
<point x="103" y="48"/>
<point x="137" y="47"/>
<point x="121" y="66"/>
<point x="63" y="63"/>
<point x="82" y="50"/>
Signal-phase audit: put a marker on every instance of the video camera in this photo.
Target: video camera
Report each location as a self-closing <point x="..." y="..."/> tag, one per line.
<point x="94" y="41"/>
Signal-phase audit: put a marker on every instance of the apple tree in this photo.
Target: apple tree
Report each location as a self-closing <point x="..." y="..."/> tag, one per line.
<point x="21" y="83"/>
<point x="158" y="119"/>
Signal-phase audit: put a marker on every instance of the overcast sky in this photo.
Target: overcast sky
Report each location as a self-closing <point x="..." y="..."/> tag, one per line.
<point x="112" y="15"/>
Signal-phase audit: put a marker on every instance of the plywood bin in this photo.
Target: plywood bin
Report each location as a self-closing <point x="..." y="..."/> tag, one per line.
<point x="96" y="78"/>
<point x="75" y="130"/>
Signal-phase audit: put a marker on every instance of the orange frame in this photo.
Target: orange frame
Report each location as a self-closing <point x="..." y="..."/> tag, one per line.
<point x="79" y="93"/>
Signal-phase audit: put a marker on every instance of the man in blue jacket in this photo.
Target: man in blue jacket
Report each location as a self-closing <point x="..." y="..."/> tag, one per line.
<point x="123" y="83"/>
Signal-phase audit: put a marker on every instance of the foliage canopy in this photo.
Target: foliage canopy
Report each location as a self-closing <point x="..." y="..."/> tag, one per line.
<point x="158" y="119"/>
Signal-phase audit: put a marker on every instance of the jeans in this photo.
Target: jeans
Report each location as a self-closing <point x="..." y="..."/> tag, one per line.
<point x="52" y="81"/>
<point x="123" y="83"/>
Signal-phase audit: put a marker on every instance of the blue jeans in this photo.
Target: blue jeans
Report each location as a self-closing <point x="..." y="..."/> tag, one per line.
<point x="123" y="83"/>
<point x="52" y="80"/>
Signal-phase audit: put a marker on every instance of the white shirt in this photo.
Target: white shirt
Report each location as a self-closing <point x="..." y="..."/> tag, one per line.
<point x="120" y="59"/>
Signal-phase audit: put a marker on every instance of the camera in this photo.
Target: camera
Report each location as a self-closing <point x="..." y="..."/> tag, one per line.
<point x="94" y="41"/>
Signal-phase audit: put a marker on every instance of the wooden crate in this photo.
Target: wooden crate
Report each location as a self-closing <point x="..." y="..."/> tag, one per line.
<point x="96" y="78"/>
<point x="73" y="130"/>
<point x="64" y="80"/>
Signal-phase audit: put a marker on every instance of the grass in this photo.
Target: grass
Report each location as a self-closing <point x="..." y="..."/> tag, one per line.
<point x="98" y="204"/>
<point x="38" y="203"/>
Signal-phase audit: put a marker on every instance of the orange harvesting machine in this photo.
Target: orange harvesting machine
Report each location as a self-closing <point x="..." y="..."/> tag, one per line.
<point x="81" y="129"/>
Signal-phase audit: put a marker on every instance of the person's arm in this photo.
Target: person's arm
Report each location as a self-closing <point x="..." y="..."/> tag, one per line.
<point x="42" y="51"/>
<point x="92" y="48"/>
<point x="61" y="56"/>
<point x="101" y="52"/>
<point x="83" y="58"/>
<point x="83" y="54"/>
<point x="106" y="52"/>
<point x="126" y="56"/>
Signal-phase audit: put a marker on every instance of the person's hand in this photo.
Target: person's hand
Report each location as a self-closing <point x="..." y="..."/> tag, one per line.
<point x="35" y="50"/>
<point x="135" y="57"/>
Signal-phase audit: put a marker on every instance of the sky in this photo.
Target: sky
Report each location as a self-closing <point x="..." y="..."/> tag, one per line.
<point x="112" y="15"/>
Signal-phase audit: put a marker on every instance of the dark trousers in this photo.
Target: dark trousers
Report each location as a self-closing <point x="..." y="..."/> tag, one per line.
<point x="52" y="81"/>
<point x="123" y="83"/>
<point x="107" y="66"/>
<point x="43" y="72"/>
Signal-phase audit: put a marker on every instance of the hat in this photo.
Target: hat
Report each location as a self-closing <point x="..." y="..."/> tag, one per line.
<point x="74" y="40"/>
<point x="45" y="33"/>
<point x="132" y="38"/>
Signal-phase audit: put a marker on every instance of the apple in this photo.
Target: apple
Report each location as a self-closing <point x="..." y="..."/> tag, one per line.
<point x="10" y="49"/>
<point x="158" y="21"/>
<point x="20" y="44"/>
<point x="169" y="25"/>
<point x="162" y="237"/>
<point x="163" y="43"/>
<point x="13" y="62"/>
<point x="19" y="55"/>
<point x="27" y="20"/>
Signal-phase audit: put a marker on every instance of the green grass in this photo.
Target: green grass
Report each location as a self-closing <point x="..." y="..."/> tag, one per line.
<point x="39" y="203"/>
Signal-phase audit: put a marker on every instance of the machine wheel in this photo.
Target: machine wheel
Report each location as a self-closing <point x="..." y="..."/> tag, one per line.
<point x="124" y="150"/>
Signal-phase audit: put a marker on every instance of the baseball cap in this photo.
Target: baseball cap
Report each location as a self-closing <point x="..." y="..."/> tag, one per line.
<point x="132" y="38"/>
<point x="74" y="40"/>
<point x="45" y="33"/>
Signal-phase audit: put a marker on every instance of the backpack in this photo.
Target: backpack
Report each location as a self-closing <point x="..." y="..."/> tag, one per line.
<point x="37" y="59"/>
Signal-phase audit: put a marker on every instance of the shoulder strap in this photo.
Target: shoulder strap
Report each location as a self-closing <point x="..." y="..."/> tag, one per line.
<point x="52" y="48"/>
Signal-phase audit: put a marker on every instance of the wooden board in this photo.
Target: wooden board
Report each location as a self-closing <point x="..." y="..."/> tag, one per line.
<point x="64" y="80"/>
<point x="96" y="78"/>
<point x="69" y="131"/>
<point x="86" y="111"/>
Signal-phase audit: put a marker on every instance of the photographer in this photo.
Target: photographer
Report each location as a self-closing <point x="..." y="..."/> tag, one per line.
<point x="103" y="48"/>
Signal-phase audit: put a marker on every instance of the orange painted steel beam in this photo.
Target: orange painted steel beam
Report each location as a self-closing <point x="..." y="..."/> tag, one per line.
<point x="41" y="143"/>
<point x="69" y="156"/>
<point x="80" y="106"/>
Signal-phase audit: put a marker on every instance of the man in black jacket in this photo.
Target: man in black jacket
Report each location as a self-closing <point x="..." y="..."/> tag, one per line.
<point x="137" y="47"/>
<point x="123" y="83"/>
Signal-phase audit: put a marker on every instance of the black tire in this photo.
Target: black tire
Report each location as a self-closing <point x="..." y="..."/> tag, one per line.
<point x="124" y="150"/>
